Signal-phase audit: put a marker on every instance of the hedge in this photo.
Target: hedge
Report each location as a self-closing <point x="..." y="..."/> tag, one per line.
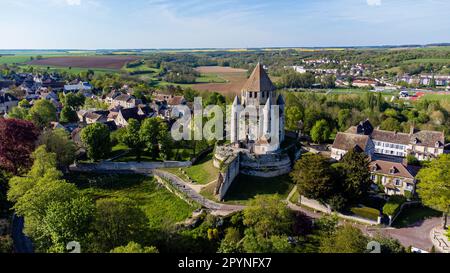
<point x="393" y="205"/>
<point x="366" y="212"/>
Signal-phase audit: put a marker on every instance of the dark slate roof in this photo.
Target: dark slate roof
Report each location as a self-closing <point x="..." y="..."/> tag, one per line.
<point x="258" y="81"/>
<point x="7" y="97"/>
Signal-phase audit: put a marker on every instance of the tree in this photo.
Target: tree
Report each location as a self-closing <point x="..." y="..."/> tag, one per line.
<point x="149" y="134"/>
<point x="42" y="113"/>
<point x="313" y="176"/>
<point x="96" y="138"/>
<point x="231" y="242"/>
<point x="132" y="139"/>
<point x="18" y="113"/>
<point x="356" y="176"/>
<point x="133" y="248"/>
<point x="390" y="124"/>
<point x="117" y="222"/>
<point x="343" y="119"/>
<point x="268" y="215"/>
<point x="434" y="186"/>
<point x="58" y="142"/>
<point x="389" y="245"/>
<point x="293" y="116"/>
<point x="17" y="142"/>
<point x="321" y="131"/>
<point x="72" y="100"/>
<point x="346" y="239"/>
<point x="68" y="221"/>
<point x="165" y="141"/>
<point x="68" y="115"/>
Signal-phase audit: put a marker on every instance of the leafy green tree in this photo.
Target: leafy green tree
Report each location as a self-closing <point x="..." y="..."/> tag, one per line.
<point x="117" y="222"/>
<point x="231" y="242"/>
<point x="18" y="113"/>
<point x="149" y="134"/>
<point x="73" y="100"/>
<point x="344" y="116"/>
<point x="68" y="221"/>
<point x="6" y="244"/>
<point x="293" y="116"/>
<point x="133" y="248"/>
<point x="321" y="131"/>
<point x="389" y="245"/>
<point x="255" y="243"/>
<point x="96" y="138"/>
<point x="43" y="188"/>
<point x="68" y="115"/>
<point x="391" y="124"/>
<point x="42" y="113"/>
<point x="165" y="141"/>
<point x="346" y="239"/>
<point x="132" y="139"/>
<point x="58" y="142"/>
<point x="314" y="177"/>
<point x="356" y="176"/>
<point x="268" y="215"/>
<point x="434" y="186"/>
<point x="190" y="94"/>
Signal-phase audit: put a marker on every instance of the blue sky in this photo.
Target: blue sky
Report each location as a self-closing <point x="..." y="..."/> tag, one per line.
<point x="94" y="24"/>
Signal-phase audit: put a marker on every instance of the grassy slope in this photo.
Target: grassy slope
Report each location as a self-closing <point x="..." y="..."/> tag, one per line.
<point x="161" y="207"/>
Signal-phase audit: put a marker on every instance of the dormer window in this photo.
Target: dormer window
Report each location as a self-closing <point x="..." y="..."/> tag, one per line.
<point x="393" y="170"/>
<point x="438" y="144"/>
<point x="415" y="140"/>
<point x="375" y="168"/>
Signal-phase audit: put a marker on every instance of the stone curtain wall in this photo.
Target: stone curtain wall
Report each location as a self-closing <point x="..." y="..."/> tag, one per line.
<point x="143" y="167"/>
<point x="227" y="174"/>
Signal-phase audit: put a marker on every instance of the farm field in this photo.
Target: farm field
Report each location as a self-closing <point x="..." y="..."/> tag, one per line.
<point x="233" y="79"/>
<point x="70" y="70"/>
<point x="103" y="62"/>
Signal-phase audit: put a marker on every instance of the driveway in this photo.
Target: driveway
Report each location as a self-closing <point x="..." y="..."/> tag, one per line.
<point x="417" y="235"/>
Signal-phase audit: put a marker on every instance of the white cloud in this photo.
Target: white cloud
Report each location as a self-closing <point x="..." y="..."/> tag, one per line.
<point x="374" y="2"/>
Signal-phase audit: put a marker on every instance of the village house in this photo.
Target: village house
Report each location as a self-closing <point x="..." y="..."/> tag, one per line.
<point x="394" y="177"/>
<point x="346" y="142"/>
<point x="364" y="83"/>
<point x="138" y="113"/>
<point x="80" y="86"/>
<point x="90" y="117"/>
<point x="422" y="144"/>
<point x="118" y="99"/>
<point x="7" y="102"/>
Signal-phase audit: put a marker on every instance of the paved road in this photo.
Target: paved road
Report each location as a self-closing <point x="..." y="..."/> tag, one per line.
<point x="417" y="235"/>
<point x="22" y="244"/>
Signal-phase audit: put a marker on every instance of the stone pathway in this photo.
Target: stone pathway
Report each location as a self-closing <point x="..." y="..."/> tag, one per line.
<point x="186" y="188"/>
<point x="440" y="239"/>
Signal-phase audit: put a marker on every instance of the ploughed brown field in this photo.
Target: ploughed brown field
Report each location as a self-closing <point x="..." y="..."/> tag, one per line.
<point x="235" y="78"/>
<point x="105" y="62"/>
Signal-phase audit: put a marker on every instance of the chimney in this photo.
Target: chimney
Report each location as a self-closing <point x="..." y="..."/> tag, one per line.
<point x="412" y="130"/>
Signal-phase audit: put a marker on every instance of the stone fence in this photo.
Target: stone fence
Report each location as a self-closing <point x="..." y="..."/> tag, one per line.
<point x="138" y="167"/>
<point x="317" y="206"/>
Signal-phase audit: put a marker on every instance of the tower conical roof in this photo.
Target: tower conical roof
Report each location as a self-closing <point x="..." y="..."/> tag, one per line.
<point x="259" y="81"/>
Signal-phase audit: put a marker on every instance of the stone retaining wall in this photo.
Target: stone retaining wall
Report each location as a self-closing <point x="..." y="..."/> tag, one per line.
<point x="127" y="166"/>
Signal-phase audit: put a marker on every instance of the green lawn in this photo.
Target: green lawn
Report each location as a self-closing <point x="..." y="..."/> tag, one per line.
<point x="245" y="188"/>
<point x="203" y="172"/>
<point x="413" y="215"/>
<point x="71" y="70"/>
<point x="161" y="207"/>
<point x="435" y="61"/>
<point x="436" y="97"/>
<point x="14" y="59"/>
